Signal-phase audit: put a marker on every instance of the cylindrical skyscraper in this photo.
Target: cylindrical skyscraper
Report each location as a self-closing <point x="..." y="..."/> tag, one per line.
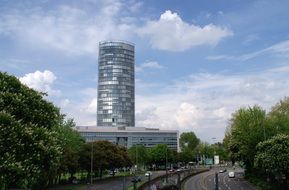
<point x="115" y="95"/>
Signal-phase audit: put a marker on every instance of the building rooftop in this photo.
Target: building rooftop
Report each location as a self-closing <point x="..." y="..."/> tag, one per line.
<point x="116" y="41"/>
<point x="122" y="129"/>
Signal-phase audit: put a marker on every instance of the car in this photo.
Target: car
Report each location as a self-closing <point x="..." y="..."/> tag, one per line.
<point x="222" y="170"/>
<point x="148" y="173"/>
<point x="171" y="170"/>
<point x="231" y="174"/>
<point x="180" y="169"/>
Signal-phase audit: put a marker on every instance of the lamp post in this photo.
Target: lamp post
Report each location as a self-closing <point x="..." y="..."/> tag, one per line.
<point x="214" y="141"/>
<point x="166" y="164"/>
<point x="135" y="158"/>
<point x="135" y="180"/>
<point x="216" y="173"/>
<point x="91" y="163"/>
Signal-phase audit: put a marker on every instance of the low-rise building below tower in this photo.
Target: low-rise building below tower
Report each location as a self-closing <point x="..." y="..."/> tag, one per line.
<point x="129" y="136"/>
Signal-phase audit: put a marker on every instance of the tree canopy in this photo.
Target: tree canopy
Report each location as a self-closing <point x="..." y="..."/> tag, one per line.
<point x="261" y="140"/>
<point x="159" y="154"/>
<point x="189" y="141"/>
<point x="246" y="130"/>
<point x="138" y="155"/>
<point x="36" y="143"/>
<point x="30" y="146"/>
<point x="106" y="155"/>
<point x="272" y="155"/>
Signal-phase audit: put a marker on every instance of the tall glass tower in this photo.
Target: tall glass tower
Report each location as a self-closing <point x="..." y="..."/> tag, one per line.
<point x="115" y="96"/>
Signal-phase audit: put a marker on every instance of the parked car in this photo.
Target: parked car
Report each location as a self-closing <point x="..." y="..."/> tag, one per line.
<point x="231" y="174"/>
<point x="112" y="172"/>
<point x="148" y="173"/>
<point x="171" y="170"/>
<point x="223" y="170"/>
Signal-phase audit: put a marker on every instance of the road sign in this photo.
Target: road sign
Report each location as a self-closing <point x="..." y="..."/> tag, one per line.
<point x="209" y="161"/>
<point x="216" y="159"/>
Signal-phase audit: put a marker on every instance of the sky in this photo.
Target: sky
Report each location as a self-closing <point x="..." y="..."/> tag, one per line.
<point x="196" y="63"/>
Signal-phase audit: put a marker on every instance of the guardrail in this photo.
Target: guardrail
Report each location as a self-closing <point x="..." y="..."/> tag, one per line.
<point x="172" y="181"/>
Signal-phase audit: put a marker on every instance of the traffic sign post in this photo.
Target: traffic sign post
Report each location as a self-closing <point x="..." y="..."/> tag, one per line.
<point x="217" y="181"/>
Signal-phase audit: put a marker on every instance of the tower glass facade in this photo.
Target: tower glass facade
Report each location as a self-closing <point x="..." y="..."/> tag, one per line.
<point x="115" y="96"/>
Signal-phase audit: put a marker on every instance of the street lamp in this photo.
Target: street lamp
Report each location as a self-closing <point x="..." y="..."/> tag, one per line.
<point x="216" y="173"/>
<point x="166" y="164"/>
<point x="186" y="145"/>
<point x="135" y="179"/>
<point x="91" y="163"/>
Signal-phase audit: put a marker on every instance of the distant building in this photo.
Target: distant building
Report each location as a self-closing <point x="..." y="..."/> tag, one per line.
<point x="116" y="102"/>
<point x="115" y="96"/>
<point x="129" y="136"/>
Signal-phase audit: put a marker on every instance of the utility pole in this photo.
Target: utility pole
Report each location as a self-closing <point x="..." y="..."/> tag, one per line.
<point x="135" y="180"/>
<point x="217" y="181"/>
<point x="91" y="163"/>
<point x="166" y="164"/>
<point x="136" y="156"/>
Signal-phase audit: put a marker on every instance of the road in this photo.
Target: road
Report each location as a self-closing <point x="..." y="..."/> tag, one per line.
<point x="206" y="181"/>
<point x="118" y="183"/>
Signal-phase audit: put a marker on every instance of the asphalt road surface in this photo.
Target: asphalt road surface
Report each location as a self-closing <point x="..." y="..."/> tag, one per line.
<point x="206" y="181"/>
<point x="118" y="183"/>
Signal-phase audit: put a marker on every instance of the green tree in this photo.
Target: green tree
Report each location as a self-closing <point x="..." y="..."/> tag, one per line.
<point x="220" y="150"/>
<point x="30" y="146"/>
<point x="205" y="149"/>
<point x="186" y="156"/>
<point x="278" y="117"/>
<point x="189" y="141"/>
<point x="106" y="155"/>
<point x="138" y="155"/>
<point x="245" y="131"/>
<point x="72" y="144"/>
<point x="272" y="155"/>
<point x="159" y="154"/>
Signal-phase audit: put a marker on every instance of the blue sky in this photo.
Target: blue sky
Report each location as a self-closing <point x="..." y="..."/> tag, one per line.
<point x="196" y="61"/>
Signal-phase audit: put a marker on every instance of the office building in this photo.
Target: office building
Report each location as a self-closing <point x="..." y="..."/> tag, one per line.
<point x="115" y="96"/>
<point x="116" y="102"/>
<point x="129" y="136"/>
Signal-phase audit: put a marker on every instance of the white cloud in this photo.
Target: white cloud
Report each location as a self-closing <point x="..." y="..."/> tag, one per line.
<point x="83" y="111"/>
<point x="250" y="39"/>
<point x="187" y="115"/>
<point x="171" y="33"/>
<point x="89" y="92"/>
<point x="91" y="107"/>
<point x="135" y="6"/>
<point x="203" y="102"/>
<point x="41" y="81"/>
<point x="64" y="103"/>
<point x="278" y="49"/>
<point x="69" y="29"/>
<point x="221" y="113"/>
<point x="12" y="63"/>
<point x="149" y="64"/>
